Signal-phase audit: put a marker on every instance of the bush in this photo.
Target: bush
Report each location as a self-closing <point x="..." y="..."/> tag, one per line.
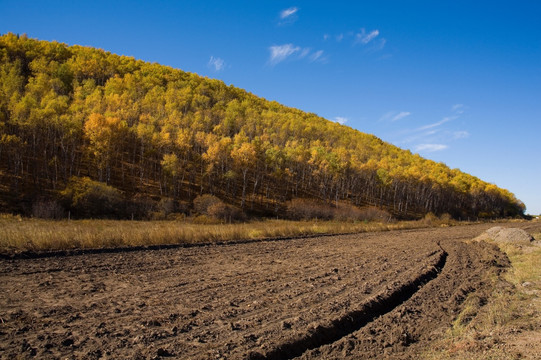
<point x="214" y="208"/>
<point x="372" y="213"/>
<point x="225" y="212"/>
<point x="202" y="203"/>
<point x="429" y="219"/>
<point x="92" y="199"/>
<point x="205" y="220"/>
<point x="306" y="209"/>
<point x="347" y="212"/>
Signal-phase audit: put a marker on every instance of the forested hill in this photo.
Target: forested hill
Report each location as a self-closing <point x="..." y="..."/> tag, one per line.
<point x="74" y="117"/>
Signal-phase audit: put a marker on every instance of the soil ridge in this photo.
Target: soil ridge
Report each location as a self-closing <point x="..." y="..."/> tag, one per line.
<point x="375" y="307"/>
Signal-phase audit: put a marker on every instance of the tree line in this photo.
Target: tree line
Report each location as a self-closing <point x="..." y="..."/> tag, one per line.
<point x="153" y="132"/>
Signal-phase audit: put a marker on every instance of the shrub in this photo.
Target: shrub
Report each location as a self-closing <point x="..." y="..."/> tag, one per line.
<point x="202" y="203"/>
<point x="429" y="219"/>
<point x="372" y="213"/>
<point x="305" y="209"/>
<point x="205" y="220"/>
<point x="446" y="218"/>
<point x="167" y="206"/>
<point x="225" y="212"/>
<point x="176" y="216"/>
<point x="92" y="199"/>
<point x="347" y="212"/>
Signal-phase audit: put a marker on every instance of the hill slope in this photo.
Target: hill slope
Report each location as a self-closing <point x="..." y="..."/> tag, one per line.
<point x="71" y="116"/>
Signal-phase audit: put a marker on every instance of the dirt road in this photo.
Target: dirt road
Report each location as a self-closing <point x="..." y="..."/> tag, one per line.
<point x="372" y="295"/>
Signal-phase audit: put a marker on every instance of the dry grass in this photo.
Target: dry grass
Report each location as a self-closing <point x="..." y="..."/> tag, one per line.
<point x="24" y="234"/>
<point x="509" y="325"/>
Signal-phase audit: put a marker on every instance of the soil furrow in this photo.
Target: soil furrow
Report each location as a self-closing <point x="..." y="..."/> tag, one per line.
<point x="355" y="320"/>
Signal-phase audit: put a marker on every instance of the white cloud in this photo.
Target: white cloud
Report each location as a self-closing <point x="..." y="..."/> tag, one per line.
<point x="216" y="63"/>
<point x="435" y="136"/>
<point x="401" y="115"/>
<point x="387" y="116"/>
<point x="317" y="55"/>
<point x="458" y="108"/>
<point x="364" y="38"/>
<point x="339" y="37"/>
<point x="394" y="115"/>
<point x="436" y="124"/>
<point x="326" y="37"/>
<point x="304" y="52"/>
<point x="430" y="147"/>
<point x="378" y="45"/>
<point x="341" y="120"/>
<point x="279" y="53"/>
<point x="288" y="12"/>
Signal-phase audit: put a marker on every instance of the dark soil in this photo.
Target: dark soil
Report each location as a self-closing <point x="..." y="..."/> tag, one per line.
<point x="373" y="295"/>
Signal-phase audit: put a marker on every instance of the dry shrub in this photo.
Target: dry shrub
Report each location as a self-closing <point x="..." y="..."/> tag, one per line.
<point x="176" y="217"/>
<point x="372" y="213"/>
<point x="205" y="220"/>
<point x="216" y="209"/>
<point x="305" y="209"/>
<point x="202" y="203"/>
<point x="429" y="219"/>
<point x="167" y="206"/>
<point x="225" y="212"/>
<point x="446" y="217"/>
<point x="92" y="199"/>
<point x="48" y="209"/>
<point x="346" y="212"/>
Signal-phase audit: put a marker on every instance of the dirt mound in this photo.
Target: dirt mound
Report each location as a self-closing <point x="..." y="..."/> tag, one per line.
<point x="507" y="235"/>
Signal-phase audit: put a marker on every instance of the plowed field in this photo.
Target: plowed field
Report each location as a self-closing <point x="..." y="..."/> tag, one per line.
<point x="372" y="295"/>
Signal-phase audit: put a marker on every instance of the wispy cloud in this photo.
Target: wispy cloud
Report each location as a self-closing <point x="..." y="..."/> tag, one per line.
<point x="430" y="147"/>
<point x="364" y="37"/>
<point x="216" y="63"/>
<point x="401" y="115"/>
<point x="387" y="116"/>
<point x="279" y="53"/>
<point x="458" y="108"/>
<point x="288" y="16"/>
<point x="437" y="124"/>
<point x="317" y="56"/>
<point x="435" y="136"/>
<point x="304" y="53"/>
<point x="341" y="120"/>
<point x="284" y="14"/>
<point x="394" y="115"/>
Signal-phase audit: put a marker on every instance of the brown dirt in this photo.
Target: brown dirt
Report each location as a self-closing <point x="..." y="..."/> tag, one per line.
<point x="373" y="295"/>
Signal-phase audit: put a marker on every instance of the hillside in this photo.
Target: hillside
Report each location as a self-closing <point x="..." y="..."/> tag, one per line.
<point x="144" y="135"/>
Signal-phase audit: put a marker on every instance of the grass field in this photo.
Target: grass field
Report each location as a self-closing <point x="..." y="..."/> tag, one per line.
<point x="26" y="234"/>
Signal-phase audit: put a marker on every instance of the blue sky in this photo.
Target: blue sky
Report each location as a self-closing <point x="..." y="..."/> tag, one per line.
<point x="455" y="81"/>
